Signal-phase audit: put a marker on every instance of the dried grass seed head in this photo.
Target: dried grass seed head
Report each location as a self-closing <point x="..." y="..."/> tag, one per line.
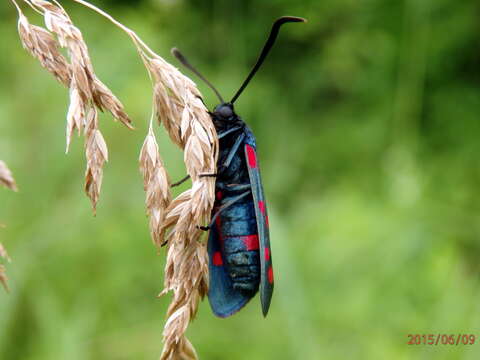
<point x="6" y="177"/>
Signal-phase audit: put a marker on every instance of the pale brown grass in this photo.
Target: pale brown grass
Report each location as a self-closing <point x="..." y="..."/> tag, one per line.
<point x="87" y="92"/>
<point x="6" y="180"/>
<point x="6" y="177"/>
<point x="3" y="275"/>
<point x="178" y="107"/>
<point x="156" y="185"/>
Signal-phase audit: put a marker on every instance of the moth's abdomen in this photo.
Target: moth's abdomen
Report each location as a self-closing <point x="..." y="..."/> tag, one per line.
<point x="240" y="246"/>
<point x="243" y="262"/>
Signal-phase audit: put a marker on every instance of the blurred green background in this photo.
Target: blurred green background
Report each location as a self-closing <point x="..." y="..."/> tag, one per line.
<point x="367" y="119"/>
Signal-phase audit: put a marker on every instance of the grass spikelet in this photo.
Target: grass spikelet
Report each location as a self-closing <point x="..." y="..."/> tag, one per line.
<point x="97" y="154"/>
<point x="3" y="278"/>
<point x="6" y="177"/>
<point x="6" y="180"/>
<point x="42" y="45"/>
<point x="3" y="275"/>
<point x="156" y="185"/>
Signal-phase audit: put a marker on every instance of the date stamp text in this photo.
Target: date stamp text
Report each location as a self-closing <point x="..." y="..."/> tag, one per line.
<point x="441" y="339"/>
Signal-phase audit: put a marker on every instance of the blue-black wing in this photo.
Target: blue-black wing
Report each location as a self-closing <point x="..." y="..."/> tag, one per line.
<point x="266" y="269"/>
<point x="224" y="299"/>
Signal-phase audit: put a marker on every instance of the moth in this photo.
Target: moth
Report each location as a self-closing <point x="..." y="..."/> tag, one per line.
<point x="239" y="242"/>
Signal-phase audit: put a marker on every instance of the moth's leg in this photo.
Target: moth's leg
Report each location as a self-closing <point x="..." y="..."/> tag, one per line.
<point x="203" y="102"/>
<point x="208" y="175"/>
<point x="165" y="242"/>
<point x="223" y="207"/>
<point x="233" y="151"/>
<point x="232" y="187"/>
<point x="227" y="161"/>
<point x="188" y="177"/>
<point x="180" y="181"/>
<point x="229" y="131"/>
<point x="238" y="187"/>
<point x="229" y="158"/>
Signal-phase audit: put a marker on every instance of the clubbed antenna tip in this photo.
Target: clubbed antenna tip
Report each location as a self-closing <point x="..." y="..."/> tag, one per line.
<point x="266" y="49"/>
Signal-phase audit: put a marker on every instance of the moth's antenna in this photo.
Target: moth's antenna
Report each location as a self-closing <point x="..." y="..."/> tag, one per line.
<point x="266" y="48"/>
<point x="184" y="61"/>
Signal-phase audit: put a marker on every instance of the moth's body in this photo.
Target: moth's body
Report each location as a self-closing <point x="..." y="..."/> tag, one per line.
<point x="237" y="224"/>
<point x="239" y="237"/>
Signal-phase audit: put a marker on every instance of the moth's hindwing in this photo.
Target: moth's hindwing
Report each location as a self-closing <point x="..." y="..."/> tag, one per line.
<point x="223" y="298"/>
<point x="266" y="269"/>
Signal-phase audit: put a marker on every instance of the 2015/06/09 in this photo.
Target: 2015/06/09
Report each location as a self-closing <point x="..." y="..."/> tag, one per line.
<point x="441" y="339"/>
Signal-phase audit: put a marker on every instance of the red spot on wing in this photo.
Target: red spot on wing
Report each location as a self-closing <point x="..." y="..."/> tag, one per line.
<point x="251" y="242"/>
<point x="267" y="254"/>
<point x="219" y="195"/>
<point x="266" y="221"/>
<point x="270" y="275"/>
<point x="217" y="258"/>
<point x="251" y="156"/>
<point x="261" y="205"/>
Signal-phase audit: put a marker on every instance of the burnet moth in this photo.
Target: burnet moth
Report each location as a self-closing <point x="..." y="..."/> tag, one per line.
<point x="239" y="241"/>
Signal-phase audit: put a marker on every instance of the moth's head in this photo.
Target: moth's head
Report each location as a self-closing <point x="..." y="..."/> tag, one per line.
<point x="224" y="112"/>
